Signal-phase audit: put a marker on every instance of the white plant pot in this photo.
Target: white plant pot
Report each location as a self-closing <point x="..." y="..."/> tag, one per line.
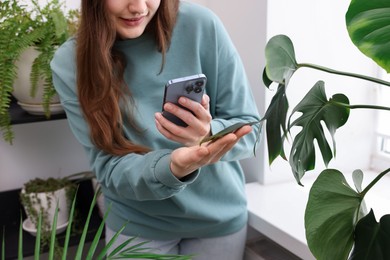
<point x="48" y="202"/>
<point x="22" y="87"/>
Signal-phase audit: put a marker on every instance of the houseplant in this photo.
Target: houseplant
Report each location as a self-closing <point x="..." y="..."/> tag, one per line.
<point x="42" y="197"/>
<point x="139" y="251"/>
<point x="337" y="225"/>
<point x="22" y="27"/>
<point x="336" y="222"/>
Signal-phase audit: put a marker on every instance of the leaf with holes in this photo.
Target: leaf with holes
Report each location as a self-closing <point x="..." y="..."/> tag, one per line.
<point x="316" y="108"/>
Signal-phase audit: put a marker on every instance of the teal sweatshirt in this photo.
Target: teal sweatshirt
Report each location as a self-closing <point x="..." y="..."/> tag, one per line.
<point x="141" y="189"/>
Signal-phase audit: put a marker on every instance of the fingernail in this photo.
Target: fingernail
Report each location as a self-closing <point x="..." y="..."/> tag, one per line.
<point x="183" y="100"/>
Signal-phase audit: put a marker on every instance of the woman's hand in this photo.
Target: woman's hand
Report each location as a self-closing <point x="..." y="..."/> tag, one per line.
<point x="198" y="122"/>
<point x="185" y="160"/>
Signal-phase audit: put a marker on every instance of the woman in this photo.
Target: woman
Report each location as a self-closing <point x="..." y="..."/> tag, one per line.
<point x="184" y="197"/>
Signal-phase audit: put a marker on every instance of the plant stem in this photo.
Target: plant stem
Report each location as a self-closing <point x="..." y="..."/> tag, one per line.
<point x="361" y="106"/>
<point x="374" y="182"/>
<point x="354" y="75"/>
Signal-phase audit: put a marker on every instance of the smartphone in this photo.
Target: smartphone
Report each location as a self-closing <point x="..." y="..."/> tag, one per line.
<point x="191" y="87"/>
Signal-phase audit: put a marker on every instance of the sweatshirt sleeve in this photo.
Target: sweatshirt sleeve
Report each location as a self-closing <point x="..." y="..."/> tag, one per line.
<point x="133" y="176"/>
<point x="231" y="97"/>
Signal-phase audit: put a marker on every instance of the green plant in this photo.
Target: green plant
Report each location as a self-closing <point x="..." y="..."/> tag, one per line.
<point x="336" y="222"/>
<point x="337" y="225"/>
<point x="137" y="251"/>
<point x="37" y="198"/>
<point x="23" y="26"/>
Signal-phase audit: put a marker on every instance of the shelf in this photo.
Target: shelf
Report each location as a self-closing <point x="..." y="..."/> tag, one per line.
<point x="20" y="116"/>
<point x="11" y="210"/>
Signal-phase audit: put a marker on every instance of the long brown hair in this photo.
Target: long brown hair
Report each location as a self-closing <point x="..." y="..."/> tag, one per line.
<point x="100" y="85"/>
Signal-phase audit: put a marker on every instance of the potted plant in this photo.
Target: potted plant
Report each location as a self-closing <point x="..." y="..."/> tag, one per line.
<point x="337" y="224"/>
<point x="138" y="251"/>
<point x="41" y="198"/>
<point x="40" y="30"/>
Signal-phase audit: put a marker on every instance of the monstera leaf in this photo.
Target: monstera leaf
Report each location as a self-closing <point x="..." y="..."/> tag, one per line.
<point x="336" y="219"/>
<point x="368" y="27"/>
<point x="316" y="108"/>
<point x="276" y="115"/>
<point x="280" y="66"/>
<point x="280" y="59"/>
<point x="372" y="238"/>
<point x="331" y="213"/>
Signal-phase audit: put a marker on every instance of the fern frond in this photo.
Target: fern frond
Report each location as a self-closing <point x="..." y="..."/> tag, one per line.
<point x="6" y="127"/>
<point x="23" y="26"/>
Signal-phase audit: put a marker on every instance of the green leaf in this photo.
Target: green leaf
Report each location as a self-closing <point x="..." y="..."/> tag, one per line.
<point x="20" y="243"/>
<point x="227" y="130"/>
<point x="330" y="216"/>
<point x="267" y="82"/>
<point x="60" y="24"/>
<point x="357" y="177"/>
<point x="276" y="115"/>
<point x="99" y="232"/>
<point x="69" y="227"/>
<point x="110" y="243"/>
<point x="372" y="238"/>
<point x="280" y="66"/>
<point x="368" y="25"/>
<point x="80" y="247"/>
<point x="121" y="247"/>
<point x="37" y="250"/>
<point x="280" y="59"/>
<point x="315" y="109"/>
<point x="53" y="234"/>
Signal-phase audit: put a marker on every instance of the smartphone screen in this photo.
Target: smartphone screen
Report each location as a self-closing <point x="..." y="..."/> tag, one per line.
<point x="191" y="87"/>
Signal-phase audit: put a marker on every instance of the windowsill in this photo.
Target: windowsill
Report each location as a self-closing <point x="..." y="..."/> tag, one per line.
<point x="277" y="210"/>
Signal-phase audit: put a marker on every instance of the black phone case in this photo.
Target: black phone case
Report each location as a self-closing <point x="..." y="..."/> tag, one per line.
<point x="191" y="87"/>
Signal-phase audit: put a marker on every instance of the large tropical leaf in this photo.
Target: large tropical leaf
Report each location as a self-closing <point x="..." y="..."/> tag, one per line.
<point x="280" y="59"/>
<point x="276" y="115"/>
<point x="315" y="109"/>
<point x="368" y="25"/>
<point x="331" y="213"/>
<point x="372" y="238"/>
<point x="280" y="66"/>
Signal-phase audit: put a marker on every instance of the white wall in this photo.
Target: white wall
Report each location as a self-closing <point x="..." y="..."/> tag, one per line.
<point x="40" y="149"/>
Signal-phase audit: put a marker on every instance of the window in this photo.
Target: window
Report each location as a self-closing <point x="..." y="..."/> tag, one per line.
<point x="381" y="157"/>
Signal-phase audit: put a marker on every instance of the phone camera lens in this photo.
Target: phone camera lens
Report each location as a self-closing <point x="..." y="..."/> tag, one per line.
<point x="189" y="89"/>
<point x="199" y="83"/>
<point x="198" y="89"/>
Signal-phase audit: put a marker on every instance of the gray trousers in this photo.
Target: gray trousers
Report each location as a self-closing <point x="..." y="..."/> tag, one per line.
<point x="230" y="247"/>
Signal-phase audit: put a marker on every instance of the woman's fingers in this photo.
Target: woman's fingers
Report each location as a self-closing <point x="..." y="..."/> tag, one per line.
<point x="187" y="159"/>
